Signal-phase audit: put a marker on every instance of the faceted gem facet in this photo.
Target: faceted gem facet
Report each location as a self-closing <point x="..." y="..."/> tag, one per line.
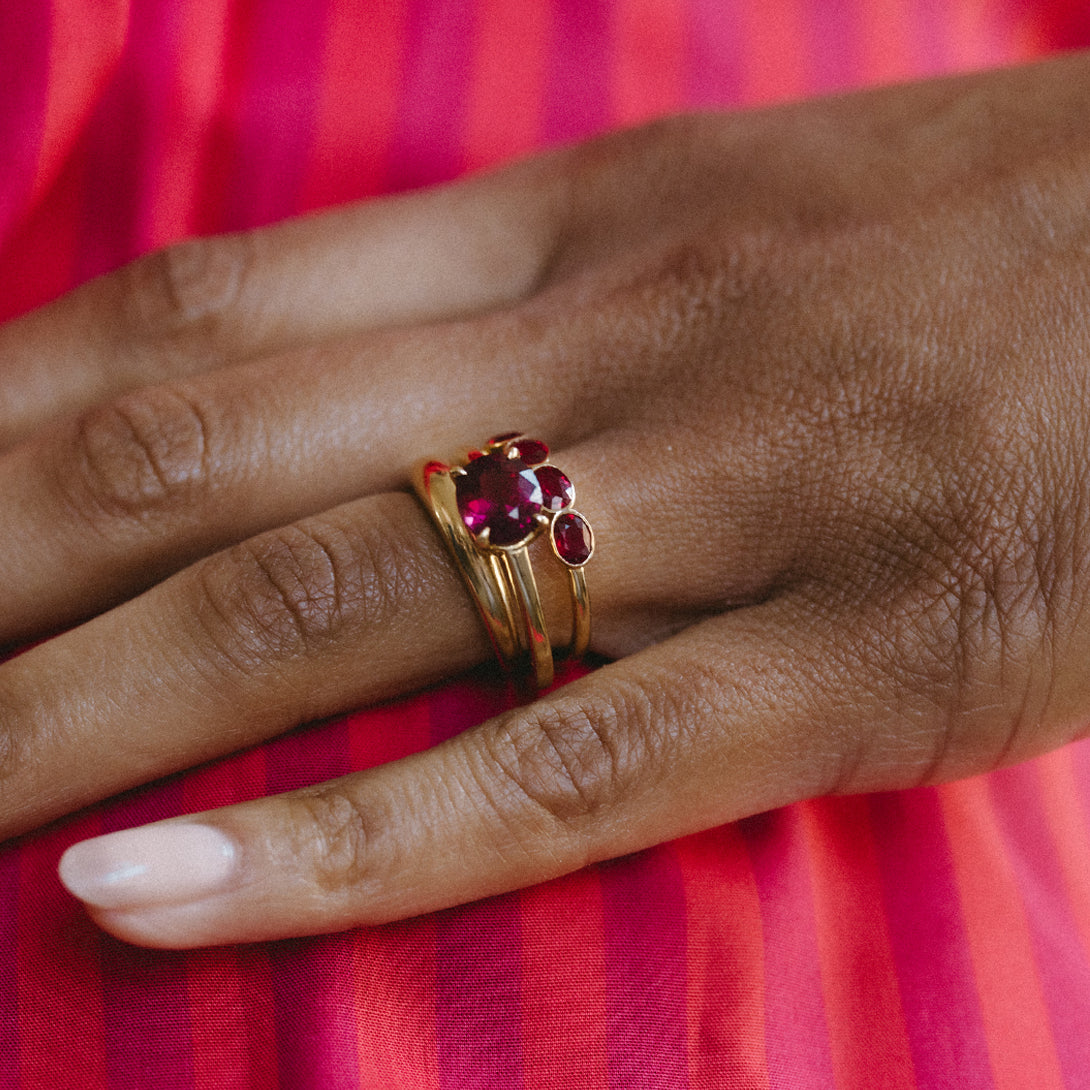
<point x="556" y="490"/>
<point x="532" y="451"/>
<point x="500" y="494"/>
<point x="572" y="538"/>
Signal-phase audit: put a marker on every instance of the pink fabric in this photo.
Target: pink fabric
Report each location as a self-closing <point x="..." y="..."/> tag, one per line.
<point x="930" y="938"/>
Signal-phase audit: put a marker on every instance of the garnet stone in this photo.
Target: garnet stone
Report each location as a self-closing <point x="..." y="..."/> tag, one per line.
<point x="556" y="490"/>
<point x="572" y="539"/>
<point x="498" y="494"/>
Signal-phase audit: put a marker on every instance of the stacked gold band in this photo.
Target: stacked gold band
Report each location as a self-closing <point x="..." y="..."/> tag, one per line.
<point x="488" y="511"/>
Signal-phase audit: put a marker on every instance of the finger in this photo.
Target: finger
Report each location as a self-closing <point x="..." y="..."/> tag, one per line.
<point x="332" y="613"/>
<point x="203" y="304"/>
<point x="732" y="717"/>
<point x="128" y="492"/>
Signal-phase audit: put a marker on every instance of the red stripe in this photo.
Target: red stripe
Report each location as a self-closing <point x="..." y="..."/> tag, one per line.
<point x="564" y="983"/>
<point x="88" y="37"/>
<point x="58" y="1023"/>
<point x="885" y="41"/>
<point x="190" y="83"/>
<point x="503" y="110"/>
<point x="796" y="1030"/>
<point x="394" y="967"/>
<point x="858" y="974"/>
<point x="394" y="1007"/>
<point x="358" y="101"/>
<point x="648" y="72"/>
<point x="929" y="941"/>
<point x="725" y="971"/>
<point x="1015" y="1018"/>
<point x="775" y="51"/>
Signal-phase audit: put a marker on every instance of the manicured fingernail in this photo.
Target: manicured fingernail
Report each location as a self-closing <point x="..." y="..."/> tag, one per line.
<point x="163" y="864"/>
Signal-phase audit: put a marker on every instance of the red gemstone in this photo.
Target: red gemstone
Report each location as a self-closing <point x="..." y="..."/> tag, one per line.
<point x="498" y="494"/>
<point x="556" y="490"/>
<point x="572" y="539"/>
<point x="499" y="440"/>
<point x="532" y="451"/>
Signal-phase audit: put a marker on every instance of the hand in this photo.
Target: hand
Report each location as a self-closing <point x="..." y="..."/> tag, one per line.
<point x="819" y="374"/>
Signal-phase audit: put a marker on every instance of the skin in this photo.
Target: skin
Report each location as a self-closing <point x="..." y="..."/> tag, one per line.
<point x="819" y="373"/>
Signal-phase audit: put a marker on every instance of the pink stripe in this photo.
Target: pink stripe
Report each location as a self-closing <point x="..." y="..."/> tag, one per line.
<point x="24" y="75"/>
<point x="796" y="1032"/>
<point x="831" y="33"/>
<point x="858" y="977"/>
<point x="278" y="96"/>
<point x="643" y="904"/>
<point x="478" y="986"/>
<point x="426" y="145"/>
<point x="113" y="149"/>
<point x="577" y="92"/>
<point x="930" y="25"/>
<point x="1061" y="959"/>
<point x="230" y="993"/>
<point x="38" y="264"/>
<point x="1016" y="1020"/>
<point x="9" y="960"/>
<point x="929" y="941"/>
<point x="144" y="992"/>
<point x="1068" y="818"/>
<point x="312" y="988"/>
<point x="57" y="969"/>
<point x="715" y="53"/>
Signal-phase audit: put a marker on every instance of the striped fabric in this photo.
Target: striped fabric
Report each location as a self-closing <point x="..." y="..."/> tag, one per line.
<point x="925" y="939"/>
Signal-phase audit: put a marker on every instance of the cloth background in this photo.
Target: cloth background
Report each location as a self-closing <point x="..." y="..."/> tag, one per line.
<point x="923" y="939"/>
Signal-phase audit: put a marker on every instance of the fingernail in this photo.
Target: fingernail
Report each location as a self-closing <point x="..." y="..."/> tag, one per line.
<point x="170" y="863"/>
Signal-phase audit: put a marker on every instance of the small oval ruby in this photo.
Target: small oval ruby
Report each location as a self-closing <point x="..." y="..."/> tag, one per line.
<point x="572" y="539"/>
<point x="556" y="490"/>
<point x="532" y="451"/>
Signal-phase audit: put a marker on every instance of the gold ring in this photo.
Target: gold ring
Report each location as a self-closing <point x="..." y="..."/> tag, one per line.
<point x="488" y="510"/>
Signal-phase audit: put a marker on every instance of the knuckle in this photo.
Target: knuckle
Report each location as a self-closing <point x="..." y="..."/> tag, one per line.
<point x="296" y="591"/>
<point x="335" y="835"/>
<point x="189" y="289"/>
<point x="144" y="454"/>
<point x="572" y="760"/>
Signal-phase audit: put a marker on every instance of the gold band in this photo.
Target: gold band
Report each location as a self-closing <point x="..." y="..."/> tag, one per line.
<point x="488" y="511"/>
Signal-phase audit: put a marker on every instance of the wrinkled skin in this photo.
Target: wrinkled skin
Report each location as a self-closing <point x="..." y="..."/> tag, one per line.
<point x="819" y="373"/>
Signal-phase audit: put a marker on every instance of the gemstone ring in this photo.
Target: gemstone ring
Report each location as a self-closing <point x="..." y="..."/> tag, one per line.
<point x="488" y="511"/>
